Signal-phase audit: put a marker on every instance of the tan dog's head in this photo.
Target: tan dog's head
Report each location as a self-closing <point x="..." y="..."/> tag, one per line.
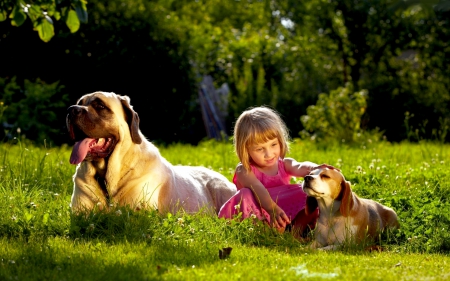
<point x="325" y="184"/>
<point x="96" y="123"/>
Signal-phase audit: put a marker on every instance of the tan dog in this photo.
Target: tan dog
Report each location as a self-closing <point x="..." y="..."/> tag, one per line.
<point x="343" y="216"/>
<point x="118" y="166"/>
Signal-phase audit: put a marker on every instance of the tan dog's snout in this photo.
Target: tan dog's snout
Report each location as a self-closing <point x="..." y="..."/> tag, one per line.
<point x="74" y="114"/>
<point x="74" y="110"/>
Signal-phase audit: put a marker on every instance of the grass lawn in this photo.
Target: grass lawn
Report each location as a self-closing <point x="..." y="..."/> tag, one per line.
<point x="41" y="240"/>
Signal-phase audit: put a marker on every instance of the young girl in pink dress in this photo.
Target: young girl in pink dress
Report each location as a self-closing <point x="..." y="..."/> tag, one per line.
<point x="263" y="175"/>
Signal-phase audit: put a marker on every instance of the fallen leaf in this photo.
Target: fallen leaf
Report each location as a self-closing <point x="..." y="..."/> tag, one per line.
<point x="225" y="253"/>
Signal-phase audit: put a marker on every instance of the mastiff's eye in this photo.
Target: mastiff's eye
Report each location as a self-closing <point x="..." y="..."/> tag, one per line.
<point x="98" y="105"/>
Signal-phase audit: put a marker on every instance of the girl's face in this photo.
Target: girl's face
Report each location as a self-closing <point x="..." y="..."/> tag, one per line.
<point x="265" y="155"/>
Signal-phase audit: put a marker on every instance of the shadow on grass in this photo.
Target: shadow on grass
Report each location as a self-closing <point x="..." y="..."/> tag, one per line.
<point x="152" y="228"/>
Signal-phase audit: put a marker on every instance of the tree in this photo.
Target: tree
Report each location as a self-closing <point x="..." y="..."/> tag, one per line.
<point x="394" y="49"/>
<point x="42" y="12"/>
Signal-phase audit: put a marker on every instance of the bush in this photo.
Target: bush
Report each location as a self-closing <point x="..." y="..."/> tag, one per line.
<point x="34" y="112"/>
<point x="336" y="115"/>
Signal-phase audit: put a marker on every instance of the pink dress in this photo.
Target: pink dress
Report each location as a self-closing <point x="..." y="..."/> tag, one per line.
<point x="290" y="197"/>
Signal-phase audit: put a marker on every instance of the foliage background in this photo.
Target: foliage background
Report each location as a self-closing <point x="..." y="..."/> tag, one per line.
<point x="281" y="53"/>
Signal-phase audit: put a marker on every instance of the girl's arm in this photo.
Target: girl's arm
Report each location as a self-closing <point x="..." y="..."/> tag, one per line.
<point x="279" y="218"/>
<point x="301" y="169"/>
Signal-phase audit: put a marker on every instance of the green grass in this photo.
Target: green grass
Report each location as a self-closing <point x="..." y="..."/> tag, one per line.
<point x="41" y="240"/>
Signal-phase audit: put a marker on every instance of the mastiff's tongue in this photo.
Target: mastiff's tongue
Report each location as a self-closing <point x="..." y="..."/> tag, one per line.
<point x="80" y="150"/>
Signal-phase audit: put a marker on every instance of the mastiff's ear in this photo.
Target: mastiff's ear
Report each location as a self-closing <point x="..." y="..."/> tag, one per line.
<point x="132" y="119"/>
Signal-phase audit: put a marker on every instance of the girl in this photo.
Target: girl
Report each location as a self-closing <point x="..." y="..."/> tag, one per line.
<point x="263" y="175"/>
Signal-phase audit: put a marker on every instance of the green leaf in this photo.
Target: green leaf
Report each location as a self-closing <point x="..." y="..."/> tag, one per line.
<point x="81" y="9"/>
<point x="3" y="15"/>
<point x="57" y="15"/>
<point x="64" y="12"/>
<point x="34" y="12"/>
<point x="72" y="21"/>
<point x="18" y="17"/>
<point x="45" y="30"/>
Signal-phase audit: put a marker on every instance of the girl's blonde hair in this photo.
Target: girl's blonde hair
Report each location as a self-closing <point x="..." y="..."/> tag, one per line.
<point x="258" y="125"/>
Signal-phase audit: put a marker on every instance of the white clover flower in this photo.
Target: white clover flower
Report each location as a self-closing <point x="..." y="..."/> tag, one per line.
<point x="253" y="216"/>
<point x="237" y="207"/>
<point x="118" y="212"/>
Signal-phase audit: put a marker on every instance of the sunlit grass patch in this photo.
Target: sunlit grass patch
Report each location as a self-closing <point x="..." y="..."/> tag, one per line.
<point x="41" y="239"/>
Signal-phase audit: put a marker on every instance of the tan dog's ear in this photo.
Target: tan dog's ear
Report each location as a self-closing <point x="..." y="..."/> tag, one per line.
<point x="132" y="119"/>
<point x="346" y="197"/>
<point x="311" y="205"/>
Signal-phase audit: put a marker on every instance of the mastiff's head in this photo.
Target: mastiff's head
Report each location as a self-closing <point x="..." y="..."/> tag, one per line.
<point x="98" y="122"/>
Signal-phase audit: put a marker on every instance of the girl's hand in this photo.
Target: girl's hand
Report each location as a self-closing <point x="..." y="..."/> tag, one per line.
<point x="321" y="166"/>
<point x="278" y="218"/>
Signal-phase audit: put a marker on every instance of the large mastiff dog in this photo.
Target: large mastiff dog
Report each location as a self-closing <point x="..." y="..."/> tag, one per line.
<point x="117" y="165"/>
